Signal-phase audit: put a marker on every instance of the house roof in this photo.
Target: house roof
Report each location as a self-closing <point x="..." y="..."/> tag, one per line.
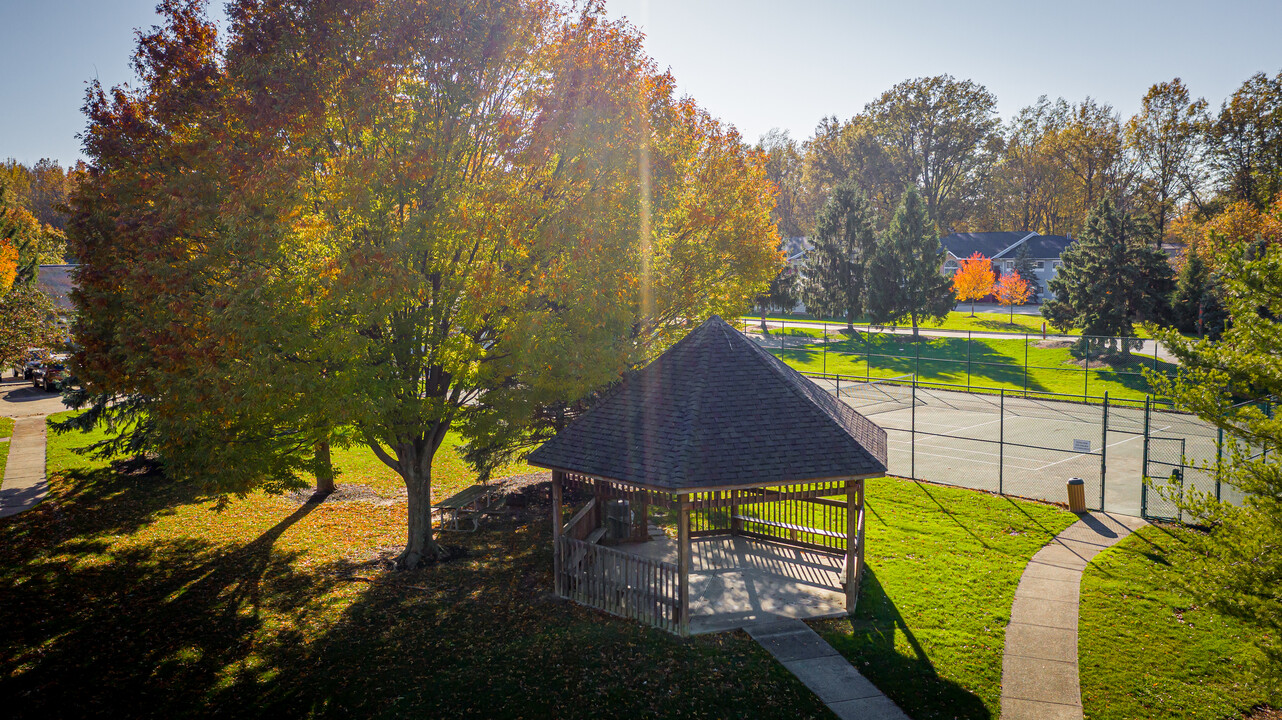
<point x="988" y="244"/>
<point x="995" y="245"/>
<point x="717" y="411"/>
<point x="1045" y="247"/>
<point x="56" y="281"/>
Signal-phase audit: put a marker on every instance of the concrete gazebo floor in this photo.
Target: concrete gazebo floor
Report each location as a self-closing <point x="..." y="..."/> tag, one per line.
<point x="735" y="581"/>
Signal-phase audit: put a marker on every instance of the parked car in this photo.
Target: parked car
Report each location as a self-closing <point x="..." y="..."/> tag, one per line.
<point x="29" y="368"/>
<point x="50" y="377"/>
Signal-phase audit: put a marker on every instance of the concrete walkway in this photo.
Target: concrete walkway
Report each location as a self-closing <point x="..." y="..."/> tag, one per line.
<point x="847" y="693"/>
<point x="24" y="472"/>
<point x="1039" y="668"/>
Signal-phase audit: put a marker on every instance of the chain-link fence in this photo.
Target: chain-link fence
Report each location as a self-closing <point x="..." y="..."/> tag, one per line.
<point x="1086" y="367"/>
<point x="1030" y="444"/>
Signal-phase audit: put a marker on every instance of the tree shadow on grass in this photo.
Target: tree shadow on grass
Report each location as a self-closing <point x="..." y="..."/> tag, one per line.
<point x="86" y="505"/>
<point x="187" y="628"/>
<point x="909" y="679"/>
<point x="144" y="630"/>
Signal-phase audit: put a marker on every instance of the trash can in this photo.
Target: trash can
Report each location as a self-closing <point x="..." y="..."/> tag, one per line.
<point x="618" y="520"/>
<point x="1077" y="495"/>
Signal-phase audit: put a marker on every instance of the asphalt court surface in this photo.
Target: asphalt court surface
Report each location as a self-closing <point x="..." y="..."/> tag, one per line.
<point x="1047" y="442"/>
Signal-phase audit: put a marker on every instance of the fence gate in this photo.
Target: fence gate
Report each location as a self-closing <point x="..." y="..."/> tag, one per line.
<point x="1165" y="468"/>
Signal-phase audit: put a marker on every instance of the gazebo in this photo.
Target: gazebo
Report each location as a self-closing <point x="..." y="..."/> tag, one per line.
<point x="743" y="450"/>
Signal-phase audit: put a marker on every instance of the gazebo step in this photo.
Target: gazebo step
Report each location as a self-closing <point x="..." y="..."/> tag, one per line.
<point x="789" y="526"/>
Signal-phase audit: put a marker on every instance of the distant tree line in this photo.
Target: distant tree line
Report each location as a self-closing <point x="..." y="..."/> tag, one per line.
<point x="1177" y="172"/>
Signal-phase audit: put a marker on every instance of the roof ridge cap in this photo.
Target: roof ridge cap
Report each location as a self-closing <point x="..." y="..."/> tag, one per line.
<point x="781" y="369"/>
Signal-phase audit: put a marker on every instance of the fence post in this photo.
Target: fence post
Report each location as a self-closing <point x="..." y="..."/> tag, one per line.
<point x="1148" y="401"/>
<point x="969" y="340"/>
<point x="1103" y="453"/>
<point x="916" y="358"/>
<point x="912" y="452"/>
<point x="1219" y="460"/>
<point x="867" y="355"/>
<point x="1086" y="375"/>
<point x="783" y="340"/>
<point x="825" y="332"/>
<point x="1025" y="365"/>
<point x="1001" y="441"/>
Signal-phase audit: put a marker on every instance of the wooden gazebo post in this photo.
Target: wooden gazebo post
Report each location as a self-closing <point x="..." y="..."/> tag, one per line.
<point x="683" y="562"/>
<point x="854" y="546"/>
<point x="557" y="475"/>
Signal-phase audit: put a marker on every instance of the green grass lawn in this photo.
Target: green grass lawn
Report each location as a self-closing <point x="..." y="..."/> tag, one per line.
<point x="962" y="321"/>
<point x="129" y="596"/>
<point x="357" y="464"/>
<point x="6" y="427"/>
<point x="1147" y="650"/>
<point x="943" y="567"/>
<point x="994" y="363"/>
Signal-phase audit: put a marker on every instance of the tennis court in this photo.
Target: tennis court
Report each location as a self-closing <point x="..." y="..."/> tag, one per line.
<point x="1027" y="446"/>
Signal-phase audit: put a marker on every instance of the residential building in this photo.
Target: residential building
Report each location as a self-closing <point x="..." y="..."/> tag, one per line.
<point x="1002" y="247"/>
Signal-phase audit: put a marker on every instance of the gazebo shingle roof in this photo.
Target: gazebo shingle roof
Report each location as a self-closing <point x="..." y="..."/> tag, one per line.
<point x="717" y="411"/>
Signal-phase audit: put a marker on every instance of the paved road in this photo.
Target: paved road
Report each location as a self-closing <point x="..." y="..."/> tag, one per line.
<point x="25" y="484"/>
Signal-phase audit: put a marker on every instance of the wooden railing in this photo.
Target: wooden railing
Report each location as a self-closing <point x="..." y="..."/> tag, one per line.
<point x="619" y="583"/>
<point x="818" y="523"/>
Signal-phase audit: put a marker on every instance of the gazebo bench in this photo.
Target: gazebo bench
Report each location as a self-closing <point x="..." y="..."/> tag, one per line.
<point x="788" y="526"/>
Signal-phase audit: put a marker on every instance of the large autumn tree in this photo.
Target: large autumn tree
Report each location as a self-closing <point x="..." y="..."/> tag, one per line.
<point x="452" y="215"/>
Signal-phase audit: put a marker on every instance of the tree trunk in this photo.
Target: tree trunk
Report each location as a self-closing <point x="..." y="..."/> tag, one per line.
<point x="324" y="469"/>
<point x="420" y="545"/>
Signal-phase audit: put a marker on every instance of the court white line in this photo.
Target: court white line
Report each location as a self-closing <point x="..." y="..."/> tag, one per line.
<point x="1011" y="461"/>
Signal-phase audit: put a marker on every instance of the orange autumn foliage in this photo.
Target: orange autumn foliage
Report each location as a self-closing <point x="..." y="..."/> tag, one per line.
<point x="974" y="279"/>
<point x="8" y="265"/>
<point x="1012" y="290"/>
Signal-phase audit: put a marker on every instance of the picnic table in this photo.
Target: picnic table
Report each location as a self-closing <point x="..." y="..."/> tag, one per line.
<point x="467" y="504"/>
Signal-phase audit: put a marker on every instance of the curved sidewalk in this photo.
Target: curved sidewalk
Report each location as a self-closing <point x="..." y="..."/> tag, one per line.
<point x="1039" y="667"/>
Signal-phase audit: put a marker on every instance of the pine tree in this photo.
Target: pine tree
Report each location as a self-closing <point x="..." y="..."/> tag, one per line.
<point x="1241" y="574"/>
<point x="904" y="280"/>
<point x="1024" y="269"/>
<point x="1110" y="279"/>
<point x="834" y="281"/>
<point x="1196" y="306"/>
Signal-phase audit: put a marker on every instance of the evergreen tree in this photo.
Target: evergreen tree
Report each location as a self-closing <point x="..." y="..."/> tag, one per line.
<point x="836" y="267"/>
<point x="1196" y="306"/>
<point x="904" y="278"/>
<point x="1110" y="279"/>
<point x="1024" y="269"/>
<point x="1241" y="573"/>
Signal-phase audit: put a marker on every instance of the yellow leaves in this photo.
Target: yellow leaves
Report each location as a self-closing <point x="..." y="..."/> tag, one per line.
<point x="8" y="265"/>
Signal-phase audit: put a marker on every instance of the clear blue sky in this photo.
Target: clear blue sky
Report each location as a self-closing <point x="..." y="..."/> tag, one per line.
<point x="755" y="63"/>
